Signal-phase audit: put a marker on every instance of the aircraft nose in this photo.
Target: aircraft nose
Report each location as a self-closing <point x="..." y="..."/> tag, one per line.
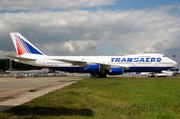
<point x="174" y="63"/>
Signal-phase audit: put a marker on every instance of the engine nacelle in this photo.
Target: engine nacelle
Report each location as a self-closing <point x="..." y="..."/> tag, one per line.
<point x="93" y="69"/>
<point x="116" y="71"/>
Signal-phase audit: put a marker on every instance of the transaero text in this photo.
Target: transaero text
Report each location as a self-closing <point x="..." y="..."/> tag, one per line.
<point x="147" y="59"/>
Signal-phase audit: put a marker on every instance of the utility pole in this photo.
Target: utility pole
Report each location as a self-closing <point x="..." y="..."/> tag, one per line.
<point x="10" y="62"/>
<point x="174" y="67"/>
<point x="93" y="48"/>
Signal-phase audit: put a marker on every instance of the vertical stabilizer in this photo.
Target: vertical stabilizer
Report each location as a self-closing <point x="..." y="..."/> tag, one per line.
<point x="23" y="46"/>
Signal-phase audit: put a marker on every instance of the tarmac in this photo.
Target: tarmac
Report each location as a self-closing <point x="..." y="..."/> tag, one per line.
<point x="14" y="92"/>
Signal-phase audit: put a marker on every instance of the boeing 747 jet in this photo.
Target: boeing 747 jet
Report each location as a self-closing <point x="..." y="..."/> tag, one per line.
<point x="97" y="66"/>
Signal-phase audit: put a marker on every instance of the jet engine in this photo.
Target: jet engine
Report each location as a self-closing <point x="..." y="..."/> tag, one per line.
<point x="116" y="71"/>
<point x="93" y="69"/>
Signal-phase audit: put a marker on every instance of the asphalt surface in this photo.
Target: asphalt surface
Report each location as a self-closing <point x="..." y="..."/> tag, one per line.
<point x="14" y="91"/>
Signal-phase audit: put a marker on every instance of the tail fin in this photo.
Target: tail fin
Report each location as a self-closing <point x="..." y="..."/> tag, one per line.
<point x="23" y="46"/>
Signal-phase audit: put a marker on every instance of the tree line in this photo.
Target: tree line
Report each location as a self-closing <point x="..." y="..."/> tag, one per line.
<point x="5" y="65"/>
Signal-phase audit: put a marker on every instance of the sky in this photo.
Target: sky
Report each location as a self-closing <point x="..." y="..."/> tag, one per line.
<point x="113" y="27"/>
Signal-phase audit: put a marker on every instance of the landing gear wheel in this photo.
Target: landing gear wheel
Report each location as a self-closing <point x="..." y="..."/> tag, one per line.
<point x="93" y="76"/>
<point x="102" y="75"/>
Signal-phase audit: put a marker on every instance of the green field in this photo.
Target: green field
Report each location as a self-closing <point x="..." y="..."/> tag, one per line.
<point x="108" y="98"/>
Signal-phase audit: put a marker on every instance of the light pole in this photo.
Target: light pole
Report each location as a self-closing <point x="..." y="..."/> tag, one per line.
<point x="174" y="67"/>
<point x="10" y="61"/>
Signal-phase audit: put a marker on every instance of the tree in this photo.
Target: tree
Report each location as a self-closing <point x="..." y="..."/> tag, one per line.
<point x="4" y="65"/>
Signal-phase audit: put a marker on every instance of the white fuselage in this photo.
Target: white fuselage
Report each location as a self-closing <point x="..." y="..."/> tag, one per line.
<point x="136" y="63"/>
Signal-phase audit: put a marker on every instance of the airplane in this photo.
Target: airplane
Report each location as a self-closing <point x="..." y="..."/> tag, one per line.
<point x="97" y="66"/>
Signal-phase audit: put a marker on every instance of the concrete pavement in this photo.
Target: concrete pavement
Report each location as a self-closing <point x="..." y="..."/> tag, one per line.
<point x="14" y="91"/>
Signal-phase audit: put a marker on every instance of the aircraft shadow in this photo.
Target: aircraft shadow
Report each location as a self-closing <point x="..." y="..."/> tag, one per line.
<point x="24" y="110"/>
<point x="3" y="107"/>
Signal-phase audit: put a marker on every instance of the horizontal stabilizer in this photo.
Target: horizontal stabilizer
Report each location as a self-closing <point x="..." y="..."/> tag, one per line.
<point x="20" y="58"/>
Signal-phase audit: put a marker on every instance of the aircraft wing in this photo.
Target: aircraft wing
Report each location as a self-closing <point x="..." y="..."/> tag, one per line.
<point x="20" y="58"/>
<point x="81" y="63"/>
<point x="103" y="65"/>
<point x="109" y="66"/>
<point x="71" y="61"/>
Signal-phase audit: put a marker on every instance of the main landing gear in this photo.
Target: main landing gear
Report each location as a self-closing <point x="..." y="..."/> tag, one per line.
<point x="98" y="76"/>
<point x="102" y="74"/>
<point x="93" y="76"/>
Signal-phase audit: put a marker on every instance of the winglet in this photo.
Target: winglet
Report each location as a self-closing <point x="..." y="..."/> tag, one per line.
<point x="23" y="46"/>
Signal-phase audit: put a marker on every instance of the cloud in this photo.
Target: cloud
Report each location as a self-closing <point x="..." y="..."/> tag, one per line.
<point x="166" y="7"/>
<point x="71" y="48"/>
<point x="73" y="32"/>
<point x="34" y="5"/>
<point x="122" y="54"/>
<point x="178" y="8"/>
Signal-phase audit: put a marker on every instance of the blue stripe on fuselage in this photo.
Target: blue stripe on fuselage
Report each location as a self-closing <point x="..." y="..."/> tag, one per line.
<point x="146" y="69"/>
<point x="131" y="69"/>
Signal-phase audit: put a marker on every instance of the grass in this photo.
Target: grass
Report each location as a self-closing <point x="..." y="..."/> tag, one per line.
<point x="108" y="98"/>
